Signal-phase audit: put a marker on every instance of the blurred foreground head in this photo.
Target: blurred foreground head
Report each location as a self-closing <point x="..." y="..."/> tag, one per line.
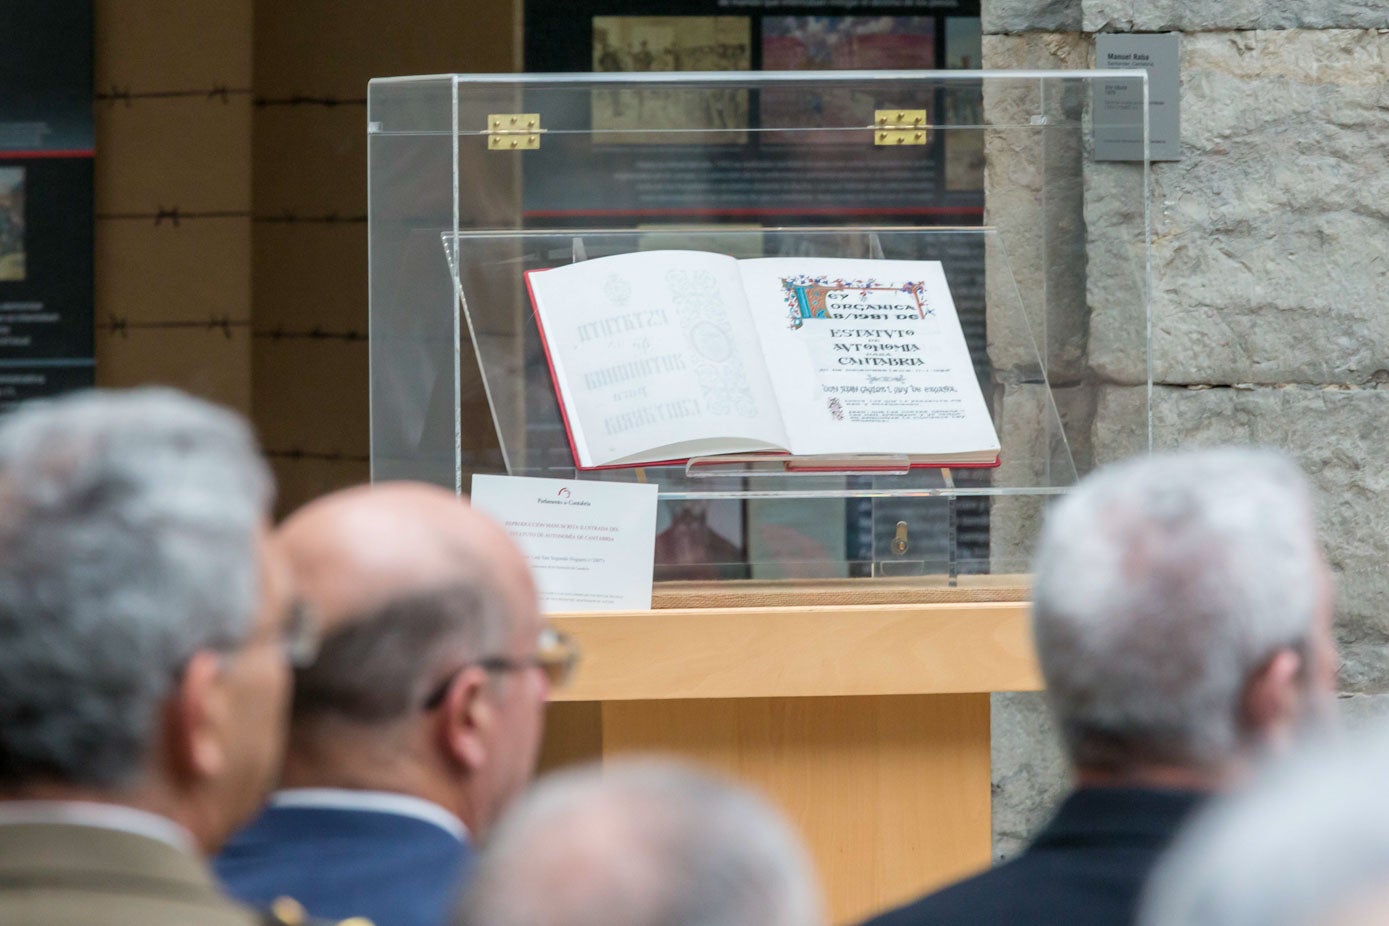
<point x="642" y="844"/>
<point x="142" y="609"/>
<point x="1183" y="615"/>
<point x="1306" y="846"/>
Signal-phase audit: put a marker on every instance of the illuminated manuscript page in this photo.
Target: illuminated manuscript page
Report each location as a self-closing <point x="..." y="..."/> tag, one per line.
<point x="867" y="357"/>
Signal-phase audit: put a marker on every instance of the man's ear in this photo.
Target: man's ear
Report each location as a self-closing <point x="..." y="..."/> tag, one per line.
<point x="465" y="719"/>
<point x="194" y="716"/>
<point x="1272" y="697"/>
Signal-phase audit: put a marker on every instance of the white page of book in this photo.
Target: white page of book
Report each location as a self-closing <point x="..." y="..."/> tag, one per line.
<point x="657" y="357"/>
<point x="867" y="357"/>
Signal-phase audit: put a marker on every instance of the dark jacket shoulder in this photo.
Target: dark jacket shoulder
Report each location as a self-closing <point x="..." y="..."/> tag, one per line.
<point x="1087" y="866"/>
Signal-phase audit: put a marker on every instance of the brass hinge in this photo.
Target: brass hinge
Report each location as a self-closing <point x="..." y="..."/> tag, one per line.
<point x="900" y="127"/>
<point x="513" y="131"/>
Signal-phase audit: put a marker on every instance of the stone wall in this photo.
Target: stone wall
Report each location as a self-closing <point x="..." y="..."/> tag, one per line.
<point x="1270" y="299"/>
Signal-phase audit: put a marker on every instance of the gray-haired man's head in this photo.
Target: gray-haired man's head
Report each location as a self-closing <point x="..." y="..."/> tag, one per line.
<point x="128" y="541"/>
<point x="641" y="844"/>
<point x="1179" y="600"/>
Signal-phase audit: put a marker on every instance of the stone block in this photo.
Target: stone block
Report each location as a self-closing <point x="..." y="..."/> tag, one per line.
<point x="1120" y="426"/>
<point x="1030" y="772"/>
<point x="1214" y="15"/>
<point x="1076" y="405"/>
<point x="1025" y="417"/>
<point x="1015" y="523"/>
<point x="1045" y="439"/>
<point x="1268" y="238"/>
<point x="1117" y="339"/>
<point x="1363" y="712"/>
<point x="1004" y="16"/>
<point x="1035" y="265"/>
<point x="1336" y="435"/>
<point x="1364" y="649"/>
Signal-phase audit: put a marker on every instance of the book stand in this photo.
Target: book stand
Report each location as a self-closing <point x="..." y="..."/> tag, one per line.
<point x="847" y="668"/>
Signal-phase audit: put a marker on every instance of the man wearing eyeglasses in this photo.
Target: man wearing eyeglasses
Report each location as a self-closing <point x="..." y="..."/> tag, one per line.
<point x="420" y="721"/>
<point x="146" y="631"/>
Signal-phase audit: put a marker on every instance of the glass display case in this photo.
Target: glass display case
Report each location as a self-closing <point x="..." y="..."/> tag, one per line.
<point x="477" y="179"/>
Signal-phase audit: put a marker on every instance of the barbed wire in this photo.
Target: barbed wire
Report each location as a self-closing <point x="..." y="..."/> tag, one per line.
<point x="122" y="325"/>
<point x="123" y="94"/>
<point x="176" y="216"/>
<point x="312" y="334"/>
<point x="330" y="218"/>
<point x="336" y="456"/>
<point x="120" y="94"/>
<point x="173" y="215"/>
<point x="325" y="101"/>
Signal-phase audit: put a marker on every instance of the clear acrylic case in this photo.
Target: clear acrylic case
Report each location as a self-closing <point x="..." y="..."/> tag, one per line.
<point x="475" y="179"/>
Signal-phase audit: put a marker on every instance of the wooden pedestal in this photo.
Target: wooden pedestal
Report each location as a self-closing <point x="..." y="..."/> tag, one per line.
<point x="867" y="723"/>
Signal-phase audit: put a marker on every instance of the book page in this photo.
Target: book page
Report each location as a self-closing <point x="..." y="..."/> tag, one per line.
<point x="656" y="357"/>
<point x="867" y="357"/>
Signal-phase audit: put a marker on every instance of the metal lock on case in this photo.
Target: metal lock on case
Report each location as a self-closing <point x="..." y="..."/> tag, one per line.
<point x="899" y="539"/>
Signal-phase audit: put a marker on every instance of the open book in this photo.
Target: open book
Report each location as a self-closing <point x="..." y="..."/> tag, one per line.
<point x="661" y="356"/>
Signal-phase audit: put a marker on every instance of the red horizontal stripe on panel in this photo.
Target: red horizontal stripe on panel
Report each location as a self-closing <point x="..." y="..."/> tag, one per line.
<point x="900" y="210"/>
<point x="33" y="155"/>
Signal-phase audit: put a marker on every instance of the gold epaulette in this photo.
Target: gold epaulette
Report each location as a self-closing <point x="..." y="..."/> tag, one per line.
<point x="286" y="911"/>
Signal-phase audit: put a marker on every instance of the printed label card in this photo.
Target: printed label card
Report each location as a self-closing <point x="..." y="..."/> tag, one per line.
<point x="591" y="545"/>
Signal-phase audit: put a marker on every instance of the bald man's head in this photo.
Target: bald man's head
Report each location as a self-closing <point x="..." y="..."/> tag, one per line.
<point x="429" y="680"/>
<point x="410" y="583"/>
<point x="357" y="550"/>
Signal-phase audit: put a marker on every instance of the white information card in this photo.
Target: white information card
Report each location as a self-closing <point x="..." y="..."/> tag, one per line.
<point x="591" y="545"/>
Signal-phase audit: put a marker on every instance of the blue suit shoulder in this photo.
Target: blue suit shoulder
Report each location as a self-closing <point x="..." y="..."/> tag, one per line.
<point x="391" y="869"/>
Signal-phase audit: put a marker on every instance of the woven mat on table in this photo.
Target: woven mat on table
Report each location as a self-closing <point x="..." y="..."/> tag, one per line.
<point x="832" y="592"/>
